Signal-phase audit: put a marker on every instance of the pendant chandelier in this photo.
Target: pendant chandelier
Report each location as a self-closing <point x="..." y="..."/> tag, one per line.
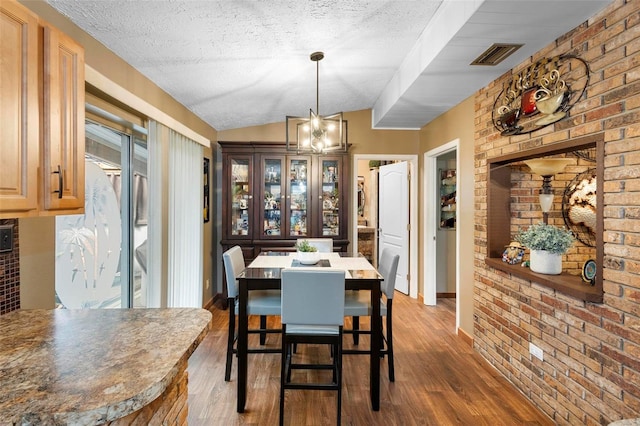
<point x="316" y="133"/>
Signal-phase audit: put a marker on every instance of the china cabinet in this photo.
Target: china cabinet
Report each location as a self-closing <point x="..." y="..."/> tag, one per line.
<point x="42" y="136"/>
<point x="272" y="197"/>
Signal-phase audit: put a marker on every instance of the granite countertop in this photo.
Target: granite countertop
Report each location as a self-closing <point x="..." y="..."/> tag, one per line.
<point x="93" y="365"/>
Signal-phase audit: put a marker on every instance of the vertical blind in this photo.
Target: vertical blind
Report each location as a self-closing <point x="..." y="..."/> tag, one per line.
<point x="184" y="216"/>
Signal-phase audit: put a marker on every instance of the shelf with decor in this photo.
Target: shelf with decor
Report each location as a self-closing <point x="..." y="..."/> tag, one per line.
<point x="511" y="185"/>
<point x="448" y="191"/>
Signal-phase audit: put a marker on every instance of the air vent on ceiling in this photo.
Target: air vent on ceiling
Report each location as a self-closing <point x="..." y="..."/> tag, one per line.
<point x="495" y="54"/>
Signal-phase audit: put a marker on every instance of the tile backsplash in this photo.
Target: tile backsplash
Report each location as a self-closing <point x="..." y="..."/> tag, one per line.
<point x="10" y="273"/>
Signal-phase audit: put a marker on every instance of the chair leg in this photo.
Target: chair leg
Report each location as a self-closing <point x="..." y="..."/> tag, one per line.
<point x="356" y="327"/>
<point x="338" y="361"/>
<point x="263" y="326"/>
<point x="283" y="374"/>
<point x="334" y="352"/>
<point x="230" y="339"/>
<point x="290" y="349"/>
<point x="392" y="374"/>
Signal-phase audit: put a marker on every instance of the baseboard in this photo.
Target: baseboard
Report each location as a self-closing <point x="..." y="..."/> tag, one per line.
<point x="208" y="305"/>
<point x="465" y="337"/>
<point x="219" y="301"/>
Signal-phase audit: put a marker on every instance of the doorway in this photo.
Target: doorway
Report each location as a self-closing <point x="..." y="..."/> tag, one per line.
<point x="441" y="272"/>
<point x="361" y="170"/>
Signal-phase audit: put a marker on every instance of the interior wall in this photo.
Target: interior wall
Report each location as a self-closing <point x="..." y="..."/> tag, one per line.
<point x="457" y="123"/>
<point x="590" y="370"/>
<point x="37" y="284"/>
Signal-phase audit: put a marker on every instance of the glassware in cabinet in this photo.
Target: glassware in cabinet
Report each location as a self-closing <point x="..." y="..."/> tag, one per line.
<point x="298" y="196"/>
<point x="240" y="191"/>
<point x="330" y="197"/>
<point x="272" y="196"/>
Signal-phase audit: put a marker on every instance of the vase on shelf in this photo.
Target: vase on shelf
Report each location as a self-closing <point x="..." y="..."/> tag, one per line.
<point x="546" y="262"/>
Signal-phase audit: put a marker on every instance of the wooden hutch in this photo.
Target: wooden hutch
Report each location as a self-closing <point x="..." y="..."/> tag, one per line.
<point x="271" y="197"/>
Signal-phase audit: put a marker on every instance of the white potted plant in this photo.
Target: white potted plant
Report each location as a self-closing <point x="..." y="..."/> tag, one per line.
<point x="307" y="254"/>
<point x="547" y="244"/>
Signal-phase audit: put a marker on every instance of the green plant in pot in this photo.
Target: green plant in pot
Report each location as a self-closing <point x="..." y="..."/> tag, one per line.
<point x="307" y="254"/>
<point x="547" y="244"/>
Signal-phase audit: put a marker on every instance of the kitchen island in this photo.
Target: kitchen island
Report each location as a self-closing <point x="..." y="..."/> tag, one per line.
<point x="97" y="366"/>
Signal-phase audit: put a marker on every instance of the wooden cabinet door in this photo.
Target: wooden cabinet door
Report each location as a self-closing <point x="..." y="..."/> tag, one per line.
<point x="63" y="126"/>
<point x="19" y="135"/>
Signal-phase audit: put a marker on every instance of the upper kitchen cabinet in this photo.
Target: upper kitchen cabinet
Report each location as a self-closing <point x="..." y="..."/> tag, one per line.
<point x="42" y="107"/>
<point x="63" y="115"/>
<point x="19" y="133"/>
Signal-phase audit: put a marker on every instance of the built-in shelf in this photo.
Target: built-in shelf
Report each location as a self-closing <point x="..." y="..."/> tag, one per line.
<point x="499" y="217"/>
<point x="564" y="283"/>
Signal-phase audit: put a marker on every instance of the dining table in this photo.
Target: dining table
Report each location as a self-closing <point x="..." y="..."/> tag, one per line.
<point x="264" y="273"/>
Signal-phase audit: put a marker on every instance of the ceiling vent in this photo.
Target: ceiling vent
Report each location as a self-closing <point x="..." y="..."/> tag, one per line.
<point x="495" y="54"/>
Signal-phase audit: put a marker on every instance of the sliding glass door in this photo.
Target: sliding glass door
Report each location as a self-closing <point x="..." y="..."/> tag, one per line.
<point x="101" y="256"/>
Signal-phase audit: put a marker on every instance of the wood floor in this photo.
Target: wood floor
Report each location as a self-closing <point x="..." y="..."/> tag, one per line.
<point x="439" y="380"/>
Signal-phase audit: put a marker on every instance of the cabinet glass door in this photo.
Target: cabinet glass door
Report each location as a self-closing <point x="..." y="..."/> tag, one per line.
<point x="272" y="196"/>
<point x="330" y="197"/>
<point x="240" y="191"/>
<point x="298" y="196"/>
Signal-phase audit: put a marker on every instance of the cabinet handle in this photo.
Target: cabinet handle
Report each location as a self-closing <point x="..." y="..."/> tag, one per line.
<point x="60" y="181"/>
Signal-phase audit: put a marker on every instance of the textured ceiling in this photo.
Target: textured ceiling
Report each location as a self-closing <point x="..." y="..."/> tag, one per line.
<point x="238" y="63"/>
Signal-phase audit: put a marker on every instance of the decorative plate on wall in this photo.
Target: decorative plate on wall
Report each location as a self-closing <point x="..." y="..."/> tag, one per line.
<point x="579" y="207"/>
<point x="589" y="271"/>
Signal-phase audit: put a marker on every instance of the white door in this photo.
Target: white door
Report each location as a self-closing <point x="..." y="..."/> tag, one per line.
<point x="394" y="217"/>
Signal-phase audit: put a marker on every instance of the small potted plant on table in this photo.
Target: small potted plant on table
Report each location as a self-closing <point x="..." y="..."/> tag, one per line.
<point x="307" y="254"/>
<point x="547" y="244"/>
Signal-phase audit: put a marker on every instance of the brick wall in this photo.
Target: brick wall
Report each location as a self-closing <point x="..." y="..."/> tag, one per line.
<point x="10" y="273"/>
<point x="591" y="368"/>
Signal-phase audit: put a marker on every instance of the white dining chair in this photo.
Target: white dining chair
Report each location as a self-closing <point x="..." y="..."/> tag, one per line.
<point x="324" y="245"/>
<point x="260" y="302"/>
<point x="358" y="303"/>
<point x="312" y="313"/>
